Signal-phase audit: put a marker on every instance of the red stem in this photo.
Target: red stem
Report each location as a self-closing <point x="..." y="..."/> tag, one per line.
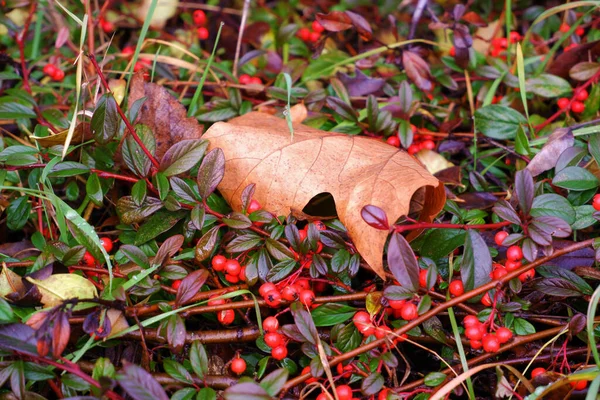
<point x="428" y="225"/>
<point x="130" y="127"/>
<point x="21" y="42"/>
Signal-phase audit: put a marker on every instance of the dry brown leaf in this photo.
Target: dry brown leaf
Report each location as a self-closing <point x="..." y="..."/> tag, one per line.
<point x="163" y="114"/>
<point x="357" y="171"/>
<point x="82" y="133"/>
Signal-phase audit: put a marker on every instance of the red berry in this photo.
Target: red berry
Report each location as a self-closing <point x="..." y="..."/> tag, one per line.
<point x="218" y="263"/>
<point x="302" y="284"/>
<point x="579" y="385"/>
<point x="202" y="33"/>
<point x="470" y="320"/>
<point x="564" y="28"/>
<point x="486" y="300"/>
<point x="314" y="37"/>
<point x="138" y="66"/>
<point x="383" y="394"/>
<point x="393" y="140"/>
<point x="515" y="37"/>
<point x="306" y="370"/>
<point x="456" y="287"/>
<point x="59" y="75"/>
<point x="475" y="344"/>
<point x="490" y="343"/>
<point x="527" y="275"/>
<point x="361" y="317"/>
<point x="428" y="145"/>
<point x="537" y="371"/>
<point x="452" y="51"/>
<point x="473" y="333"/>
<point x="242" y="275"/>
<point x="226" y="317"/>
<point x="128" y="50"/>
<point x="409" y="312"/>
<point x="255" y="80"/>
<point x="253" y="206"/>
<point x="563" y="103"/>
<point x="106" y="26"/>
<point x="289" y="293"/>
<point x="238" y="366"/>
<point x="345" y="371"/>
<point x="499" y="273"/>
<point x="413" y="149"/>
<point x="514" y="253"/>
<point x="396" y="304"/>
<point x="382" y="331"/>
<point x="107" y="244"/>
<point x="273" y="339"/>
<point x="582" y="95"/>
<point x="322" y="396"/>
<point x="88" y="259"/>
<point x="596" y="202"/>
<point x="500" y="236"/>
<point x="245" y="79"/>
<point x="344" y="392"/>
<point x="266" y="288"/>
<point x="279" y="353"/>
<point x="216" y="301"/>
<point x="233" y="267"/>
<point x="423" y="278"/>
<point x="512" y="265"/>
<point x="577" y="107"/>
<point x="273" y="298"/>
<point x="317" y="27"/>
<point x="307" y="297"/>
<point x="579" y="31"/>
<point x="199" y="17"/>
<point x="50" y="69"/>
<point x="571" y="46"/>
<point x="175" y="285"/>
<point x="232" y="278"/>
<point x="303" y="34"/>
<point x="504" y="335"/>
<point x="270" y="324"/>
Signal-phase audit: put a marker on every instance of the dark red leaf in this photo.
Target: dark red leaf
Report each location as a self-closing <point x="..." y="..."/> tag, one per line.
<point x="304" y="322"/>
<point x="168" y="249"/>
<point x="361" y="84"/>
<point x="375" y="217"/>
<point x="190" y="286"/>
<point x="60" y="334"/>
<point x="139" y="384"/>
<point x="417" y="70"/>
<point x="361" y="25"/>
<point x="402" y="262"/>
<point x="211" y="172"/>
<point x="476" y="264"/>
<point x="247" y="195"/>
<point x="560" y="140"/>
<point x="506" y="211"/>
<point x="524" y="190"/>
<point x="335" y="21"/>
<point x="474" y="19"/>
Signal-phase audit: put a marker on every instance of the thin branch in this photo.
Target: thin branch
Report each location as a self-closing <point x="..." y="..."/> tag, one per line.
<point x="238" y="46"/>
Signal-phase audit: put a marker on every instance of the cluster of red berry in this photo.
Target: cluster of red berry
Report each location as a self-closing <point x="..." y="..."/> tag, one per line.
<point x="420" y="142"/>
<point x="577" y="385"/>
<point x="479" y="336"/>
<point x="564" y="28"/>
<point x="577" y="106"/>
<point x="275" y="340"/>
<point x="299" y="290"/>
<point x="54" y="72"/>
<point x="501" y="44"/>
<point x="199" y="18"/>
<point x="514" y="260"/>
<point x="246" y="79"/>
<point x="308" y="35"/>
<point x="234" y="272"/>
<point x="89" y="260"/>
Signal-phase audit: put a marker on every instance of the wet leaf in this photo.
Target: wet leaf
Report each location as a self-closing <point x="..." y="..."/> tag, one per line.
<point x="560" y="140"/>
<point x="402" y="262"/>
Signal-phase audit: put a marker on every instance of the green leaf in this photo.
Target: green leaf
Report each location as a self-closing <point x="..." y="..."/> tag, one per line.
<point x="199" y="359"/>
<point x="131" y="213"/>
<point x="136" y="255"/>
<point x="182" y="156"/>
<point x="14" y="110"/>
<point x="68" y="168"/>
<point x="176" y="371"/>
<point x="273" y="383"/>
<point x="93" y="189"/>
<point x="575" y="178"/>
<point x="438" y="243"/>
<point x="206" y="244"/>
<point x="237" y="220"/>
<point x="17" y="213"/>
<point x="6" y="312"/>
<point x="550" y="86"/>
<point x="498" y="122"/>
<point x="523" y="327"/>
<point x="340" y="261"/>
<point x="553" y="205"/>
<point x="372" y="384"/>
<point x="433" y="379"/>
<point x="348" y="339"/>
<point x="476" y="263"/>
<point x="206" y="393"/>
<point x="160" y="222"/>
<point x="331" y="314"/>
<point x="105" y="120"/>
<point x="304" y="322"/>
<point x="162" y="185"/>
<point x="138" y="192"/>
<point x="281" y="270"/>
<point x="133" y="155"/>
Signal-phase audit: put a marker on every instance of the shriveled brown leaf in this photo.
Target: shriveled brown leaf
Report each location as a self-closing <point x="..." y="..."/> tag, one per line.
<point x="165" y="116"/>
<point x="357" y="171"/>
<point x="562" y="64"/>
<point x="560" y="140"/>
<point x="335" y="21"/>
<point x="82" y="133"/>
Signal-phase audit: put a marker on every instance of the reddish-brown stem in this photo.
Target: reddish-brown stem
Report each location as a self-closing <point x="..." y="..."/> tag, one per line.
<point x="444" y="306"/>
<point x="130" y="127"/>
<point x="20" y="38"/>
<point x="104" y="174"/>
<point x="433" y="225"/>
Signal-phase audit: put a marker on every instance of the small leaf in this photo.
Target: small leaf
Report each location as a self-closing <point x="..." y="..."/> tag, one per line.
<point x="524" y="189"/>
<point x="433" y="379"/>
<point x="132" y="213"/>
<point x="199" y="359"/>
<point x="17" y="213"/>
<point x="105" y="120"/>
<point x="139" y="384"/>
<point x="182" y="156"/>
<point x="498" y="122"/>
<point x="523" y="327"/>
<point x="133" y="155"/>
<point x="553" y="205"/>
<point x="331" y="314"/>
<point x="273" y="383"/>
<point x="476" y="264"/>
<point x="304" y="322"/>
<point x="211" y="172"/>
<point x="560" y="140"/>
<point x="159" y="223"/>
<point x="547" y="85"/>
<point x="372" y="384"/>
<point x="246" y="391"/>
<point x="402" y="262"/>
<point x="190" y="286"/>
<point x="575" y="178"/>
<point x="93" y="189"/>
<point x="177" y="371"/>
<point x="206" y="244"/>
<point x="335" y="21"/>
<point x="506" y="211"/>
<point x="375" y="217"/>
<point x="237" y="220"/>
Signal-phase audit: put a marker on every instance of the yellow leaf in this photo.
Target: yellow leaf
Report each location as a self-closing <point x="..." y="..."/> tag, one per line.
<point x="59" y="287"/>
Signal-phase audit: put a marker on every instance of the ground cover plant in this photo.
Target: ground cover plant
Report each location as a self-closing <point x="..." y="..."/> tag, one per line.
<point x="299" y="200"/>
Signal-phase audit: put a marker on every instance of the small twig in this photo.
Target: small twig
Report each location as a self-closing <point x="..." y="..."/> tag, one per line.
<point x="238" y="46"/>
<point x="421" y="5"/>
<point x="432" y="225"/>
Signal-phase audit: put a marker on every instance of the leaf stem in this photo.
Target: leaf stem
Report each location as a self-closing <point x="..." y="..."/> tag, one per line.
<point x="433" y="225"/>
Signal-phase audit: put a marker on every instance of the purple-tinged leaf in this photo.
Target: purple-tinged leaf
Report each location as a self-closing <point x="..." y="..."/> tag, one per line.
<point x="211" y="172"/>
<point x="206" y="244"/>
<point x="168" y="249"/>
<point x="554" y="226"/>
<point x="505" y="210"/>
<point x="477" y="200"/>
<point x="402" y="262"/>
<point x="361" y="25"/>
<point x="18" y="337"/>
<point x="273" y="383"/>
<point x="375" y="217"/>
<point x="524" y="189"/>
<point x="372" y="384"/>
<point x="557" y="287"/>
<point x="530" y="250"/>
<point x="539" y="235"/>
<point x="405" y="96"/>
<point x="335" y="21"/>
<point x="61" y="333"/>
<point x="139" y="384"/>
<point x="105" y="120"/>
<point x="342" y="109"/>
<point x="246" y="391"/>
<point x="304" y="322"/>
<point x="190" y="286"/>
<point x="395" y="292"/>
<point x="361" y="84"/>
<point x="417" y="70"/>
<point x="237" y="220"/>
<point x="577" y="324"/>
<point x="560" y="140"/>
<point x="176" y="333"/>
<point x="292" y="331"/>
<point x="182" y="156"/>
<point x="476" y="264"/>
<point x="247" y="195"/>
<point x="513" y="238"/>
<point x="458" y="11"/>
<point x="550" y="271"/>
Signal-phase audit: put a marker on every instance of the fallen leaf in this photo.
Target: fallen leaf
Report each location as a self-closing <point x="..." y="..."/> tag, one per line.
<point x="562" y="64"/>
<point x="560" y="140"/>
<point x="164" y="10"/>
<point x="10" y="282"/>
<point x="82" y="133"/>
<point x="335" y="21"/>
<point x="59" y="287"/>
<point x="433" y="161"/>
<point x="163" y="114"/>
<point x="356" y="171"/>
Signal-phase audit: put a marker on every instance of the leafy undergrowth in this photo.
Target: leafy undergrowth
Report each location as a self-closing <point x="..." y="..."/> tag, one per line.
<point x="389" y="201"/>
